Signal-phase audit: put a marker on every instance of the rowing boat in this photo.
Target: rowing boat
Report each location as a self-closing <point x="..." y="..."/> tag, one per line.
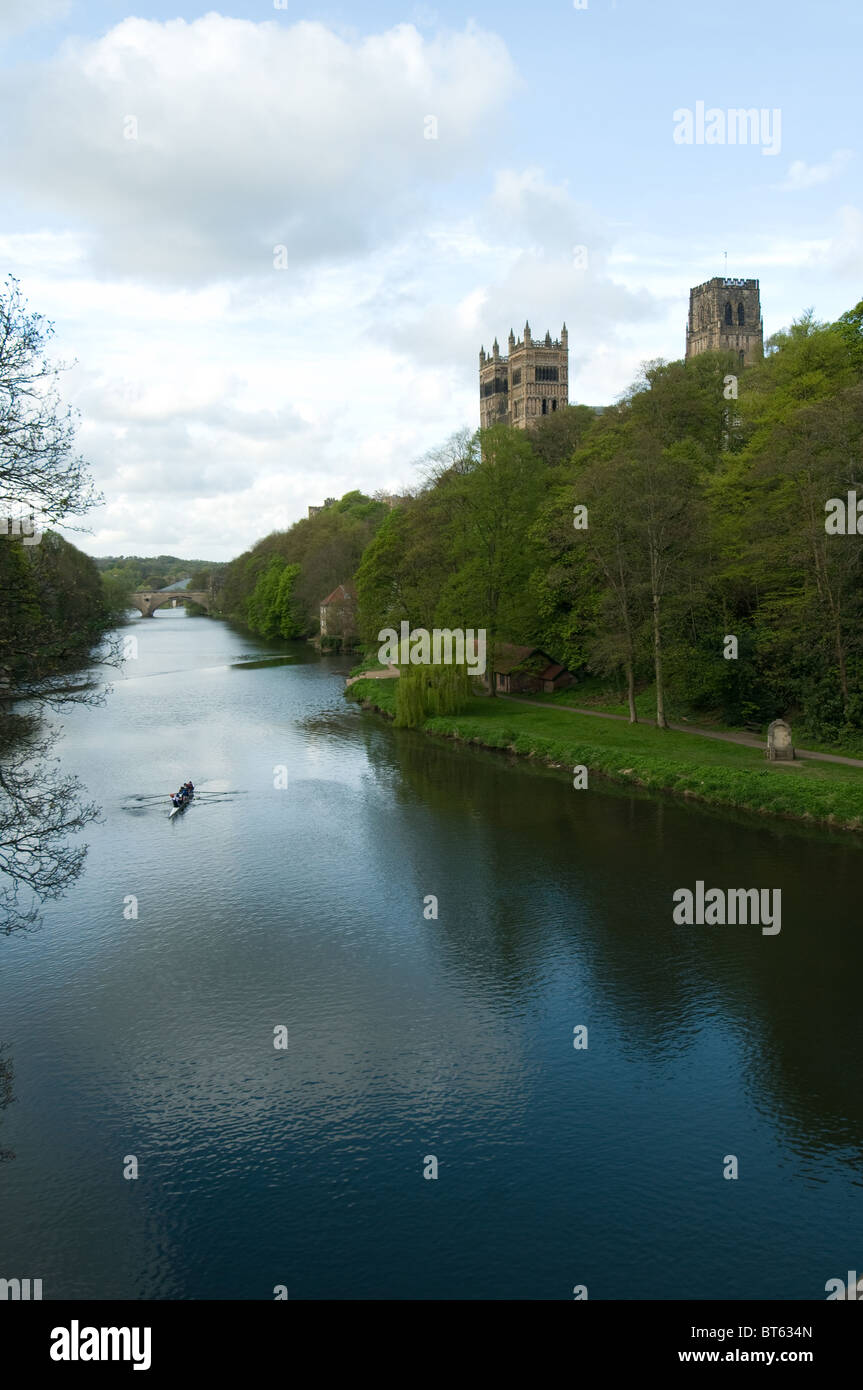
<point x="182" y="806"/>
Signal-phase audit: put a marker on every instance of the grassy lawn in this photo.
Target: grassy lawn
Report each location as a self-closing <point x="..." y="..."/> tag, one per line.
<point x="719" y="773"/>
<point x="594" y="693"/>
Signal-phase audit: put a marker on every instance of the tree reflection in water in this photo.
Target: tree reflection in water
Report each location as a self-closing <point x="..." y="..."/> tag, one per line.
<point x="40" y="809"/>
<point x="6" y="1096"/>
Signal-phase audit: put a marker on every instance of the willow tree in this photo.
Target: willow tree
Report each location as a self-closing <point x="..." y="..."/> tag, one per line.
<point x="422" y="692"/>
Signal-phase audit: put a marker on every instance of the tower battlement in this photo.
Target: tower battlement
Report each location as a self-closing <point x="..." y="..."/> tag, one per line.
<point x="530" y="381"/>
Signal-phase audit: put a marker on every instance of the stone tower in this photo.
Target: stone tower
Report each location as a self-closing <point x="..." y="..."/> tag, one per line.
<point x="531" y="381"/>
<point x="725" y="316"/>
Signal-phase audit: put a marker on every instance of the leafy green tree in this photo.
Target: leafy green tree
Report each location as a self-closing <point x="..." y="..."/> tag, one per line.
<point x="406" y="566"/>
<point x="555" y="438"/>
<point x="270" y="607"/>
<point x="494" y="503"/>
<point x="609" y="540"/>
<point x="422" y="692"/>
<point x="117" y="592"/>
<point x="327" y="548"/>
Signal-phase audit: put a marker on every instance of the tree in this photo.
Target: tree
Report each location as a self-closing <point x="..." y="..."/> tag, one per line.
<point x="555" y="437"/>
<point x="850" y="326"/>
<point x="327" y="548"/>
<point x="422" y="692"/>
<point x="54" y="608"/>
<point x="270" y="608"/>
<point x="494" y="499"/>
<point x="663" y="506"/>
<point x="675" y="429"/>
<point x="117" y="593"/>
<point x="406" y="566"/>
<point x="606" y="490"/>
<point x="39" y="468"/>
<point x="54" y="611"/>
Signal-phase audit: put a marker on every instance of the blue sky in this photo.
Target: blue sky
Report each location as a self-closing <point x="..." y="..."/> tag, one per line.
<point x="153" y="159"/>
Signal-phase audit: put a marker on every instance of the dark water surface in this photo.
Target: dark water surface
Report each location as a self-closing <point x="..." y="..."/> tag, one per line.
<point x="408" y="1037"/>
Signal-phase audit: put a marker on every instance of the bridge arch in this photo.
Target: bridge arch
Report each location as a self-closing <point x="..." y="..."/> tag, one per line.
<point x="147" y="603"/>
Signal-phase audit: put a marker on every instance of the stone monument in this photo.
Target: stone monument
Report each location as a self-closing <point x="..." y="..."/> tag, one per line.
<point x="779" y="745"/>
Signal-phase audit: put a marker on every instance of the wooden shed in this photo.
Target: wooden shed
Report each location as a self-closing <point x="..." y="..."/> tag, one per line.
<point x="528" y="670"/>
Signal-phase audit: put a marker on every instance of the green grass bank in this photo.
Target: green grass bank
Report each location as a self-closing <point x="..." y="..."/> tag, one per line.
<point x="720" y="774"/>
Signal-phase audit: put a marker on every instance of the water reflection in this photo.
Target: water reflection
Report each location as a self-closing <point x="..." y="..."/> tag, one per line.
<point x="558" y="879"/>
<point x="41" y="809"/>
<point x="6" y="1096"/>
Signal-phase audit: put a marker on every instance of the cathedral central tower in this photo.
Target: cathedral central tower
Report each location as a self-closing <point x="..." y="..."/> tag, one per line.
<point x="531" y="381"/>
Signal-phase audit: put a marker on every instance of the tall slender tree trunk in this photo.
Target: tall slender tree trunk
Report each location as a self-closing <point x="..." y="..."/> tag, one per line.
<point x="661" y="722"/>
<point x="629" y="662"/>
<point x="491" y="641"/>
<point x="825" y="593"/>
<point x="840" y="661"/>
<point x="630" y="689"/>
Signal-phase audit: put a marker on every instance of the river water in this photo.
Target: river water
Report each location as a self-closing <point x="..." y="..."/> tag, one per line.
<point x="302" y="906"/>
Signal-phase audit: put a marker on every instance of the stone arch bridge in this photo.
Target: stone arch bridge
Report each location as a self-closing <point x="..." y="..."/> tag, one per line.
<point x="147" y="603"/>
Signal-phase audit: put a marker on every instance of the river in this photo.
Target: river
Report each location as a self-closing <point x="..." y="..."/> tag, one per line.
<point x="295" y="899"/>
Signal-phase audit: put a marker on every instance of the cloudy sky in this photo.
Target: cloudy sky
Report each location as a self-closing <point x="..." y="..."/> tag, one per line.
<point x="274" y="236"/>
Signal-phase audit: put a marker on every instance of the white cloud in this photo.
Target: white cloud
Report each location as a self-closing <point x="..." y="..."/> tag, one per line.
<point x="517" y="260"/>
<point x="837" y="254"/>
<point x="843" y="252"/>
<point x="526" y="209"/>
<point x="16" y="16"/>
<point x="801" y="175"/>
<point x="46" y="253"/>
<point x="247" y="136"/>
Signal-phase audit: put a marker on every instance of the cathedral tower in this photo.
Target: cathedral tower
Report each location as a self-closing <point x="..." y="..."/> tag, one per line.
<point x="725" y="316"/>
<point x="531" y="381"/>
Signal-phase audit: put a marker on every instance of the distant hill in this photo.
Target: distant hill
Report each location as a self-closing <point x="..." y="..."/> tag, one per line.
<point x="133" y="572"/>
<point x="107" y="562"/>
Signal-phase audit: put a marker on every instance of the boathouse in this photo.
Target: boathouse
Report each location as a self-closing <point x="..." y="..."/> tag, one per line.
<point x="526" y="670"/>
